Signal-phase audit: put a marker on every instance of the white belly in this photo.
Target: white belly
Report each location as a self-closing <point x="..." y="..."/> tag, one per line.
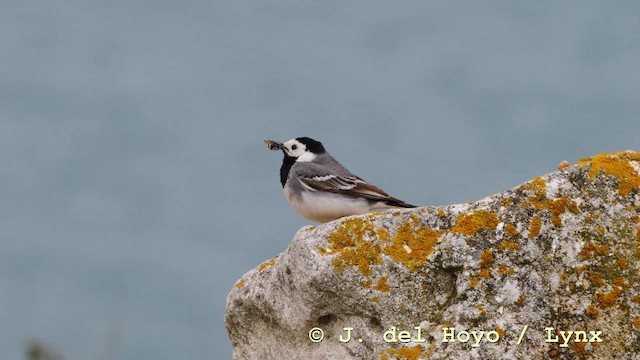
<point x="324" y="207"/>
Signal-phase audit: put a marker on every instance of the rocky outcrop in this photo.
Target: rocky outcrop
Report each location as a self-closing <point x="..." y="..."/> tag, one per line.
<point x="548" y="269"/>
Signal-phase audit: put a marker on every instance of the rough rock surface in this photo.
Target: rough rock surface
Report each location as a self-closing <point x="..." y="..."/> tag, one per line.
<point x="560" y="251"/>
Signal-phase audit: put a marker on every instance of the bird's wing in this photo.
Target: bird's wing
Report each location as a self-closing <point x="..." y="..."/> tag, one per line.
<point x="316" y="177"/>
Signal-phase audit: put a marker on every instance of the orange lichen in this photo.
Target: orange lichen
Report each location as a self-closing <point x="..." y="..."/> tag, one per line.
<point x="375" y="299"/>
<point x="592" y="311"/>
<point x="539" y="188"/>
<point x="563" y="165"/>
<point x="510" y="229"/>
<point x="509" y="245"/>
<point x="635" y="219"/>
<point x="610" y="299"/>
<point x="635" y="298"/>
<point x="441" y="213"/>
<point x="382" y="284"/>
<point x="502" y="268"/>
<point x="620" y="282"/>
<point x="617" y="165"/>
<point x="470" y="224"/>
<point x="601" y="230"/>
<point x="367" y="283"/>
<point x="410" y="246"/>
<point x="595" y="278"/>
<point x="484" y="273"/>
<point x="511" y="271"/>
<point x="506" y="202"/>
<point x="591" y="249"/>
<point x="500" y="331"/>
<point x="580" y="268"/>
<point x="573" y="207"/>
<point x="638" y="234"/>
<point x="579" y="348"/>
<point x="622" y="262"/>
<point x="486" y="257"/>
<point x="636" y="322"/>
<point x="521" y="300"/>
<point x="474" y="282"/>
<point x="239" y="284"/>
<point x="534" y="230"/>
<point x="557" y="208"/>
<point x="407" y="353"/>
<point x="348" y="241"/>
<point x="564" y="276"/>
<point x="266" y="264"/>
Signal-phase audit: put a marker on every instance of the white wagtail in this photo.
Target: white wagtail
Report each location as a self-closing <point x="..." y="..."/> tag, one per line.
<point x="320" y="189"/>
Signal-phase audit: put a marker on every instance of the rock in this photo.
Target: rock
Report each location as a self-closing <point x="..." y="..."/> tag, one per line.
<point x="559" y="252"/>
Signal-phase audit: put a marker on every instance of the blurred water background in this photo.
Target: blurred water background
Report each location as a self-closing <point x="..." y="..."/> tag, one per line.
<point x="135" y="187"/>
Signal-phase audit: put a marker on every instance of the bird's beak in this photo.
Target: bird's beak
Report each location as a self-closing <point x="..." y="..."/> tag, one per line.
<point x="274" y="145"/>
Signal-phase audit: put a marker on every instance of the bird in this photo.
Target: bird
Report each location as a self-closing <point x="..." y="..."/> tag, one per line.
<point x="321" y="189"/>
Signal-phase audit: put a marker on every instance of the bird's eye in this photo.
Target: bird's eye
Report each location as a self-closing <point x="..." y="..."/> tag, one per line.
<point x="293" y="147"/>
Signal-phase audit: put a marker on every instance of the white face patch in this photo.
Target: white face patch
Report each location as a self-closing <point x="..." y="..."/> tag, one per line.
<point x="298" y="150"/>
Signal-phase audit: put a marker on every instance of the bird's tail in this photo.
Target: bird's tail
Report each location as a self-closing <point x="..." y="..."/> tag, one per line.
<point x="397" y="203"/>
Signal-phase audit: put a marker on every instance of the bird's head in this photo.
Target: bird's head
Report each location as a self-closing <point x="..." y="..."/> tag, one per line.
<point x="302" y="149"/>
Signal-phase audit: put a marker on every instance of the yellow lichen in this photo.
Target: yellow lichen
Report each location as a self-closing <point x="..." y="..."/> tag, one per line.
<point x="367" y="283"/>
<point x="470" y="224"/>
<point x="382" y="284"/>
<point x="266" y="264"/>
<point x="375" y="299"/>
<point x="441" y="213"/>
<point x="410" y="246"/>
<point x="534" y="230"/>
<point x="349" y="242"/>
<point x="474" y="282"/>
<point x="506" y="202"/>
<point x="617" y="165"/>
<point x="239" y="284"/>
